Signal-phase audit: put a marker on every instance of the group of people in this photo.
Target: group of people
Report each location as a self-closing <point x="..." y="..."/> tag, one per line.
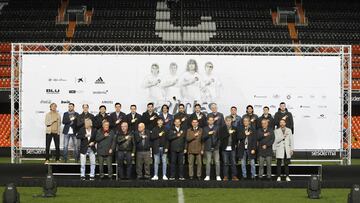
<point x="163" y="136"/>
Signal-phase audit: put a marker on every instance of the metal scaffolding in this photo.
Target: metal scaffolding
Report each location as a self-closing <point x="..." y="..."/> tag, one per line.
<point x="20" y="49"/>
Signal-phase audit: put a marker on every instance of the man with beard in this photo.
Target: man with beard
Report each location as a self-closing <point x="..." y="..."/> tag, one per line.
<point x="182" y="115"/>
<point x="284" y="114"/>
<point x="149" y="117"/>
<point x="200" y="116"/>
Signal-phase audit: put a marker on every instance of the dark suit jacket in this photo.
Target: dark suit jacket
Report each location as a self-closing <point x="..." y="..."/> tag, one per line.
<point x="68" y="123"/>
<point x="98" y="119"/>
<point x="252" y="142"/>
<point x="159" y="138"/>
<point x="177" y="143"/>
<point x="84" y="141"/>
<point x="149" y="120"/>
<point x="202" y="120"/>
<point x="219" y="119"/>
<point x="224" y="134"/>
<point x="265" y="140"/>
<point x="133" y="124"/>
<point x="211" y="141"/>
<point x="168" y="121"/>
<point x="183" y="118"/>
<point x="114" y="118"/>
<point x="140" y="145"/>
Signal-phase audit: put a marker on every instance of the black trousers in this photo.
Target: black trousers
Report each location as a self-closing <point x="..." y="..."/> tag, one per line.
<point x="177" y="160"/>
<point x="286" y="165"/>
<point x="56" y="138"/>
<point x="121" y="157"/>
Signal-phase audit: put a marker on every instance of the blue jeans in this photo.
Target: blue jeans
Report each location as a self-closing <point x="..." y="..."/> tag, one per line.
<point x="92" y="158"/>
<point x="229" y="160"/>
<point x="243" y="165"/>
<point x="67" y="138"/>
<point x="157" y="157"/>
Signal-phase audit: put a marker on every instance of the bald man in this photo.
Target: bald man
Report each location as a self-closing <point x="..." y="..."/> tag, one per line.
<point x="143" y="154"/>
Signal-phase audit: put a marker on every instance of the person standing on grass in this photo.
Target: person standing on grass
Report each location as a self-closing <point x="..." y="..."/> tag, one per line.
<point x="69" y="131"/>
<point x="194" y="148"/>
<point x="87" y="136"/>
<point x="284" y="149"/>
<point x="125" y="150"/>
<point x="177" y="139"/>
<point x="105" y="139"/>
<point x="52" y="123"/>
<point x="228" y="141"/>
<point x="160" y="145"/>
<point x="211" y="142"/>
<point x="247" y="147"/>
<point x="143" y="153"/>
<point x="266" y="140"/>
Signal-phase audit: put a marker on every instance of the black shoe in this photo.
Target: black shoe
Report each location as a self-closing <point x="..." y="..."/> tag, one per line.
<point x="147" y="177"/>
<point x="82" y="178"/>
<point x="191" y="178"/>
<point x="102" y="177"/>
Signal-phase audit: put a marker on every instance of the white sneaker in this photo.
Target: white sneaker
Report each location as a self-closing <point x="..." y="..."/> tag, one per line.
<point x="218" y="178"/>
<point x="288" y="179"/>
<point x="207" y="178"/>
<point x="165" y="178"/>
<point x="278" y="179"/>
<point x="155" y="178"/>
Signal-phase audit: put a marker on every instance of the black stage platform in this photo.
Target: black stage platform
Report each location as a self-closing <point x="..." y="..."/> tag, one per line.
<point x="32" y="175"/>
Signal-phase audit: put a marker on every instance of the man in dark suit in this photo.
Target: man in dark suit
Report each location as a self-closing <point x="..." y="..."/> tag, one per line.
<point x="125" y="149"/>
<point x="284" y="114"/>
<point x="200" y="116"/>
<point x="133" y="118"/>
<point x="218" y="117"/>
<point x="69" y="131"/>
<point x="166" y="116"/>
<point x="253" y="117"/>
<point x="178" y="145"/>
<point x="149" y="117"/>
<point x="268" y="116"/>
<point x="181" y="114"/>
<point x="80" y="120"/>
<point x="117" y="117"/>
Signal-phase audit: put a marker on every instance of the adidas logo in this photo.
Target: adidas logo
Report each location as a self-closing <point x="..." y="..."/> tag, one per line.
<point x="99" y="81"/>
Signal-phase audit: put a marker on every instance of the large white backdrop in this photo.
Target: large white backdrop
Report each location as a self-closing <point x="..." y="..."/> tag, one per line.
<point x="310" y="85"/>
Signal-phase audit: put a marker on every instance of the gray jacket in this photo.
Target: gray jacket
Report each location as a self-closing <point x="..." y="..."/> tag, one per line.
<point x="104" y="144"/>
<point x="284" y="143"/>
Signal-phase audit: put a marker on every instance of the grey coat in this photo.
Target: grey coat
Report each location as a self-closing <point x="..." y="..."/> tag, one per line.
<point x="104" y="144"/>
<point x="284" y="143"/>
